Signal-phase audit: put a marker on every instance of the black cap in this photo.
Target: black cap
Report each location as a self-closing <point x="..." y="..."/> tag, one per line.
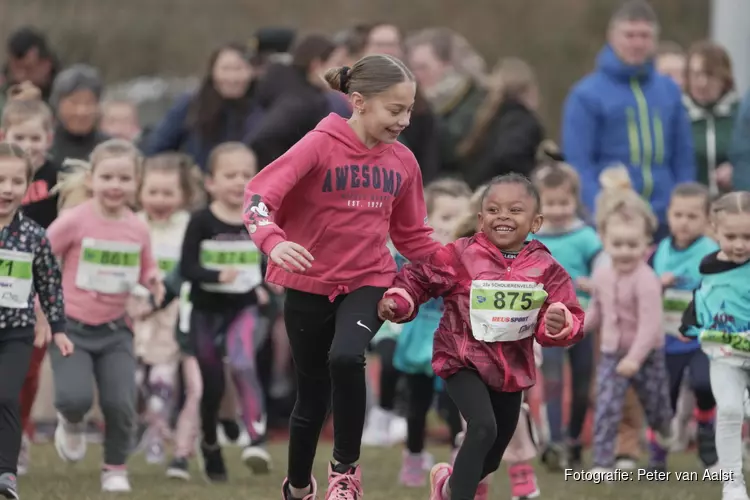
<point x="272" y="40"/>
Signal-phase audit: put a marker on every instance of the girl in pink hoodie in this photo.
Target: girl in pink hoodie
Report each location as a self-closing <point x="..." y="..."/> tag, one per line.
<point x="322" y="212"/>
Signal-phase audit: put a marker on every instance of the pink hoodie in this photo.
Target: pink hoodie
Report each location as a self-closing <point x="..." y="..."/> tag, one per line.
<point x="340" y="200"/>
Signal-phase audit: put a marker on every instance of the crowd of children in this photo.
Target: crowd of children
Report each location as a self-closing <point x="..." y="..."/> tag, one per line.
<point x="480" y="282"/>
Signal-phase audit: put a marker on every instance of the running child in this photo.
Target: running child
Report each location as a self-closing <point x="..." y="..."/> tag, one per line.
<point x="575" y="245"/>
<point x="28" y="123"/>
<point x="323" y="212"/>
<point x="447" y="204"/>
<point x="677" y="261"/>
<point x="500" y="293"/>
<point x="719" y="316"/>
<point x="223" y="268"/>
<point x="168" y="189"/>
<point x="105" y="251"/>
<point x="27" y="268"/>
<point x="626" y="309"/>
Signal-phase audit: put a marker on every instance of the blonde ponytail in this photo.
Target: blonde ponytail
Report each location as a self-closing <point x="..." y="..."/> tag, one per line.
<point x="72" y="188"/>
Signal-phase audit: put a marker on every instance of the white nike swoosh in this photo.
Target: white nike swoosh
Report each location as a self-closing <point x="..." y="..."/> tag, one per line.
<point x="364" y="326"/>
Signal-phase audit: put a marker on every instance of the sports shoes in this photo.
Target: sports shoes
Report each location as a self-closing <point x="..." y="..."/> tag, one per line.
<point x="522" y="482"/>
<point x="115" y="481"/>
<point x="286" y="494"/>
<point x="70" y="440"/>
<point x="257" y="459"/>
<point x="439" y="475"/>
<point x="344" y="484"/>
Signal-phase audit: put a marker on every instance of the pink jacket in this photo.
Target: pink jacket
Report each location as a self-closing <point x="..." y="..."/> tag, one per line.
<point x="627" y="311"/>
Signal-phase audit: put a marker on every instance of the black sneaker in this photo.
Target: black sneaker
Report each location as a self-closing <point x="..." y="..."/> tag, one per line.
<point x="178" y="469"/>
<point x="231" y="429"/>
<point x="213" y="463"/>
<point x="575" y="456"/>
<point x="555" y="457"/>
<point x="707" y="444"/>
<point x="8" y="486"/>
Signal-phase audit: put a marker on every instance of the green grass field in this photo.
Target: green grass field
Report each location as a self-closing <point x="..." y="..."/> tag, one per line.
<point x="51" y="479"/>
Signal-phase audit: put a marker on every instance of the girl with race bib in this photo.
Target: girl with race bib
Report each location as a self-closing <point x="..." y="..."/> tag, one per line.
<point x="339" y="192"/>
<point x="105" y="251"/>
<point x="447" y="203"/>
<point x="576" y="246"/>
<point x="676" y="261"/>
<point x="27" y="269"/>
<point x="223" y="267"/>
<point x="719" y="316"/>
<point x="626" y="309"/>
<point x="169" y="188"/>
<point x="500" y="293"/>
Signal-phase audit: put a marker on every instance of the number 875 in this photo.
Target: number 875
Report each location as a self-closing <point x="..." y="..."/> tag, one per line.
<point x="507" y="300"/>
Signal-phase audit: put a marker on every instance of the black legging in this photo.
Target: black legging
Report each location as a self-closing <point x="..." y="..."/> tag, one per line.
<point x="421" y="395"/>
<point x="328" y="342"/>
<point x="389" y="375"/>
<point x="491" y="419"/>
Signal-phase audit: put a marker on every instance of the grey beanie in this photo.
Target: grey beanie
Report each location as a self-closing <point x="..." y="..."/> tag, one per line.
<point x="75" y="78"/>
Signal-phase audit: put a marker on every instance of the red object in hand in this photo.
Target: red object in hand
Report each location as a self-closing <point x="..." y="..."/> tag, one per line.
<point x="402" y="305"/>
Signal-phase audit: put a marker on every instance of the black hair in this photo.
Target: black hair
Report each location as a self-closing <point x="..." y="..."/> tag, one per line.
<point x="25" y="39"/>
<point x="514" y="178"/>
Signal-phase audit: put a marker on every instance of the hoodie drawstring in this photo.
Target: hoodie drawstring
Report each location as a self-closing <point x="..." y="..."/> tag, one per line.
<point x="340" y="289"/>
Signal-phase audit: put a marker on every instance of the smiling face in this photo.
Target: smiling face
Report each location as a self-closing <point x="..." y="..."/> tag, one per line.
<point x="733" y="235"/>
<point x="34" y="138"/>
<point x="559" y="205"/>
<point x="161" y="194"/>
<point x="509" y="213"/>
<point x="626" y="243"/>
<point x="114" y="182"/>
<point x="14" y="180"/>
<point x="387" y="114"/>
<point x="231" y="74"/>
<point x="229" y="176"/>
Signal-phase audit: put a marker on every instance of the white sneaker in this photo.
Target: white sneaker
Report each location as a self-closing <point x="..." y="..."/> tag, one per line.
<point x="378" y="429"/>
<point x="601" y="471"/>
<point x="398" y="429"/>
<point x="115" y="481"/>
<point x="626" y="464"/>
<point x="70" y="440"/>
<point x="734" y="490"/>
<point x="257" y="459"/>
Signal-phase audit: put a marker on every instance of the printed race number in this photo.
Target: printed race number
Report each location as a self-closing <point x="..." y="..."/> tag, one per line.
<point x="502" y="297"/>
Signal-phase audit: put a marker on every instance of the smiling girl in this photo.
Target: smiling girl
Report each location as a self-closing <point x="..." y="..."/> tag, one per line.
<point x="323" y="212"/>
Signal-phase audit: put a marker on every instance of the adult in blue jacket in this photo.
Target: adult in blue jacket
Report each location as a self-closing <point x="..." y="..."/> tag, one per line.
<point x="739" y="155"/>
<point x="626" y="113"/>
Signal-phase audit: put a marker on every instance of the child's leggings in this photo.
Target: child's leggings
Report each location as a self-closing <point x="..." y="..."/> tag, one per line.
<point x="421" y="397"/>
<point x="652" y="386"/>
<point x="160" y="386"/>
<point x="188" y="420"/>
<point x="103" y="355"/>
<point x="233" y="336"/>
<point x="389" y="375"/>
<point x="491" y="419"/>
<point x="15" y="356"/>
<point x="328" y="341"/>
<point x="581" y="356"/>
<point x="729" y="384"/>
<point x="30" y="388"/>
<point x="700" y="378"/>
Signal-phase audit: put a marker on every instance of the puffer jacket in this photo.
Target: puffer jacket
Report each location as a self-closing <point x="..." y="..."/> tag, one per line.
<point x="506" y="366"/>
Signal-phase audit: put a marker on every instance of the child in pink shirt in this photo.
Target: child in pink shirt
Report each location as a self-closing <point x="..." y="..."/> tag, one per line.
<point x="626" y="309"/>
<point x="105" y="251"/>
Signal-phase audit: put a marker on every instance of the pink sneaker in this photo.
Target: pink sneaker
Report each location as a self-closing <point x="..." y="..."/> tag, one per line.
<point x="346" y="486"/>
<point x="439" y="474"/>
<point x="313" y="495"/>
<point x="483" y="490"/>
<point x="413" y="473"/>
<point x="522" y="482"/>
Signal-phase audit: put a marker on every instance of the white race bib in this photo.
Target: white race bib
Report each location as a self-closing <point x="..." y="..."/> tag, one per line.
<point x="675" y="302"/>
<point x="731" y="348"/>
<point x="504" y="311"/>
<point x="16" y="277"/>
<point x="167" y="257"/>
<point x="241" y="255"/>
<point x="110" y="267"/>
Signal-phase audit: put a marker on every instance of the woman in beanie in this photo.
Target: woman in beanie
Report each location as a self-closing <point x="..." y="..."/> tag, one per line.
<point x="76" y="95"/>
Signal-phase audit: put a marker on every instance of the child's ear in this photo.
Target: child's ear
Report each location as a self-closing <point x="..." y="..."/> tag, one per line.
<point x="536" y="225"/>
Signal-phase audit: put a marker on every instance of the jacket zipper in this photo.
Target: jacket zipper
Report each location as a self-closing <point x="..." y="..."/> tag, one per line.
<point x="633" y="141"/>
<point x="659" y="138"/>
<point x="645" y="125"/>
<point x="506" y="373"/>
<point x="711" y="154"/>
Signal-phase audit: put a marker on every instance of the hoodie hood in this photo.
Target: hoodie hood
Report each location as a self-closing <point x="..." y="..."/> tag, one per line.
<point x="724" y="107"/>
<point x="608" y="62"/>
<point x="338" y="128"/>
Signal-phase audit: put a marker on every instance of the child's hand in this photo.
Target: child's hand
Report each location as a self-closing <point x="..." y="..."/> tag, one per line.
<point x="228" y="275"/>
<point x="291" y="256"/>
<point x="583" y="284"/>
<point x="42" y="332"/>
<point x="554" y="320"/>
<point x="387" y="309"/>
<point x="64" y="344"/>
<point x="667" y="280"/>
<point x="263" y="297"/>
<point x="627" y="368"/>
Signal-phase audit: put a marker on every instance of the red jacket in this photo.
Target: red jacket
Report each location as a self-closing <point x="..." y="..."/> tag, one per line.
<point x="340" y="200"/>
<point x="503" y="366"/>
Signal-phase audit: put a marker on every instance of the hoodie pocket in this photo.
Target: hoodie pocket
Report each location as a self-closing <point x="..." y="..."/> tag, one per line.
<point x="343" y="255"/>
